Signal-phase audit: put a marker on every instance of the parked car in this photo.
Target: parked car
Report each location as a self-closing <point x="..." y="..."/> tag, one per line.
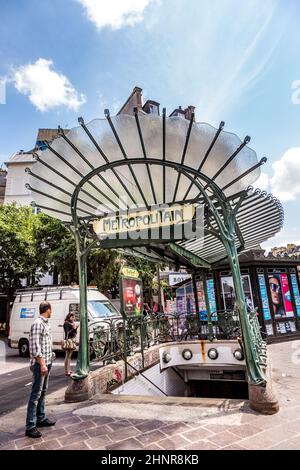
<point x="101" y="312"/>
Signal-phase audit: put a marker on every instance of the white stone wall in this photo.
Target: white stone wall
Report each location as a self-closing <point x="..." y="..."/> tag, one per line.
<point x="15" y="185"/>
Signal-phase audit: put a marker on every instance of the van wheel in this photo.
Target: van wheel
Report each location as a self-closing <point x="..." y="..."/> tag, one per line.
<point x="24" y="348"/>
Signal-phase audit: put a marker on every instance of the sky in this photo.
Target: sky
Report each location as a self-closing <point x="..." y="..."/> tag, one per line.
<point x="235" y="61"/>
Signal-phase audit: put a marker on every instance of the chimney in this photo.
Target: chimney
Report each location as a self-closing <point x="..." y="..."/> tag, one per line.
<point x="133" y="101"/>
<point x="189" y="111"/>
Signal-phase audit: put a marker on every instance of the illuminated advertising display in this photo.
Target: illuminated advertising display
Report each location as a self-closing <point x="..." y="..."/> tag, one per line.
<point x="281" y="296"/>
<point x="264" y="299"/>
<point x="296" y="293"/>
<point x="131" y="296"/>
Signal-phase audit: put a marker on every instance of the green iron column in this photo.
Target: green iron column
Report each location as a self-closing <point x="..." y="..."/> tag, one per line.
<point x="82" y="366"/>
<point x="255" y="373"/>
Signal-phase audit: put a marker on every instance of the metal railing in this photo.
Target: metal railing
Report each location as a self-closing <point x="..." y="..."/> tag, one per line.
<point x="119" y="338"/>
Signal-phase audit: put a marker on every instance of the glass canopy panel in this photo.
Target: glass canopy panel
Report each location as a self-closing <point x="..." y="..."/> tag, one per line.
<point x="103" y="141"/>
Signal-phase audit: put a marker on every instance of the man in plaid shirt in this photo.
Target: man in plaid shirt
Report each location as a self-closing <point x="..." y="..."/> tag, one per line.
<point x="40" y="345"/>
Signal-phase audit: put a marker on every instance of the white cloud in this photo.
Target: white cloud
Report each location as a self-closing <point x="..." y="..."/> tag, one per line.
<point x="45" y="87"/>
<point x="285" y="182"/>
<point x="263" y="182"/>
<point x="114" y="13"/>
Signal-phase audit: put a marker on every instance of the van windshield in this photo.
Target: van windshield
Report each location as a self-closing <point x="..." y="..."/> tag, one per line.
<point x="102" y="309"/>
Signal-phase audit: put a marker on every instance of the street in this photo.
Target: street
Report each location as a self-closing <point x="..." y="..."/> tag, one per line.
<point x="111" y="422"/>
<point x="15" y="378"/>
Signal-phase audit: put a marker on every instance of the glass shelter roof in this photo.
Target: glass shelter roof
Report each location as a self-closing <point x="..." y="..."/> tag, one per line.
<point x="129" y="162"/>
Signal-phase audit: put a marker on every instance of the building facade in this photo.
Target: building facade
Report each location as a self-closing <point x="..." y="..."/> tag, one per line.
<point x="3" y="174"/>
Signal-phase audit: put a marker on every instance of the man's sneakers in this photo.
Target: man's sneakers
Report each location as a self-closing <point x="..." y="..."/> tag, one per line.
<point x="46" y="423"/>
<point x="34" y="433"/>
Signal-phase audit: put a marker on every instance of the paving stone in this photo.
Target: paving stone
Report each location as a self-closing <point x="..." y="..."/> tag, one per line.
<point x="293" y="426"/>
<point x="123" y="433"/>
<point x="290" y="444"/>
<point x="245" y="430"/>
<point x="217" y="428"/>
<point x="8" y="446"/>
<point x="98" y="431"/>
<point x="63" y="422"/>
<point x="274" y="435"/>
<point x="75" y="446"/>
<point x="6" y="437"/>
<point x="152" y="447"/>
<point x="98" y="442"/>
<point x="150" y="425"/>
<point x="128" y="444"/>
<point x="223" y="438"/>
<point x="150" y="437"/>
<point x="102" y="420"/>
<point x="47" y="445"/>
<point x="136" y="422"/>
<point x="175" y="428"/>
<point x="116" y="425"/>
<point x="202" y="445"/>
<point x="25" y="442"/>
<point x="233" y="447"/>
<point x="195" y="435"/>
<point x="80" y="426"/>
<point x="268" y="421"/>
<point x="257" y="442"/>
<point x="72" y="438"/>
<point x="51" y="433"/>
<point x="176" y="442"/>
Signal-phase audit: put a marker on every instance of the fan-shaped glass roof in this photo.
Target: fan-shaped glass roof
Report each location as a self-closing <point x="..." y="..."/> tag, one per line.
<point x="127" y="162"/>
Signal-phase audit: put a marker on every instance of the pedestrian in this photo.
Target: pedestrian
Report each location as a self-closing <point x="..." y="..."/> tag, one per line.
<point x="70" y="329"/>
<point x="40" y="347"/>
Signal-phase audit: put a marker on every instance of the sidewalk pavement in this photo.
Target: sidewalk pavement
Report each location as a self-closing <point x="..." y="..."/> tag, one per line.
<point x="111" y="422"/>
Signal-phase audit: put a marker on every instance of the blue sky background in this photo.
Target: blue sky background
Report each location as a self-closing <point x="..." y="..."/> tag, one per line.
<point x="235" y="61"/>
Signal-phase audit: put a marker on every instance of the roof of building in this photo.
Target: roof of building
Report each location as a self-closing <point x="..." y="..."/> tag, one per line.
<point x="20" y="157"/>
<point x="48" y="134"/>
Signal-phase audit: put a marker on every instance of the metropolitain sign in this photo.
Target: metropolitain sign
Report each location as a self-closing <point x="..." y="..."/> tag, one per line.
<point x="139" y="227"/>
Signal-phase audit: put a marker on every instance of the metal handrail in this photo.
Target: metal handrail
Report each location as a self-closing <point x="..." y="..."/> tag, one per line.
<point x="143" y="375"/>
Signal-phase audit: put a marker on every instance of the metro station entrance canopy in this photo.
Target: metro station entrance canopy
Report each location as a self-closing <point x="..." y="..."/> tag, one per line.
<point x="130" y="182"/>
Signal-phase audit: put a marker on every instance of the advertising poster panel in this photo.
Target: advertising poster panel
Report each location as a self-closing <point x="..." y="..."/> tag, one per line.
<point x="211" y="298"/>
<point x="281" y="297"/>
<point x="264" y="300"/>
<point x="229" y="294"/>
<point x="296" y="293"/>
<point x="180" y="300"/>
<point x="132" y="296"/>
<point x="286" y="295"/>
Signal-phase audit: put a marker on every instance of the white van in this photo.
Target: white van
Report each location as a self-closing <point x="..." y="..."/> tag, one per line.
<point x="63" y="300"/>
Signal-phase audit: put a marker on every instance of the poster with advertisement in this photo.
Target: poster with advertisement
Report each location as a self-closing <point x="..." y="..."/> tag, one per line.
<point x="296" y="293"/>
<point x="280" y="295"/>
<point x="211" y="299"/>
<point x="286" y="295"/>
<point x="201" y="299"/>
<point x="190" y="299"/>
<point x="211" y="296"/>
<point x="228" y="293"/>
<point x="131" y="296"/>
<point x="264" y="299"/>
<point x="180" y="300"/>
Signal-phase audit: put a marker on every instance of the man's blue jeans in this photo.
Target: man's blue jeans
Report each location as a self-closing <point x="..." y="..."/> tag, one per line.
<point x="36" y="403"/>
